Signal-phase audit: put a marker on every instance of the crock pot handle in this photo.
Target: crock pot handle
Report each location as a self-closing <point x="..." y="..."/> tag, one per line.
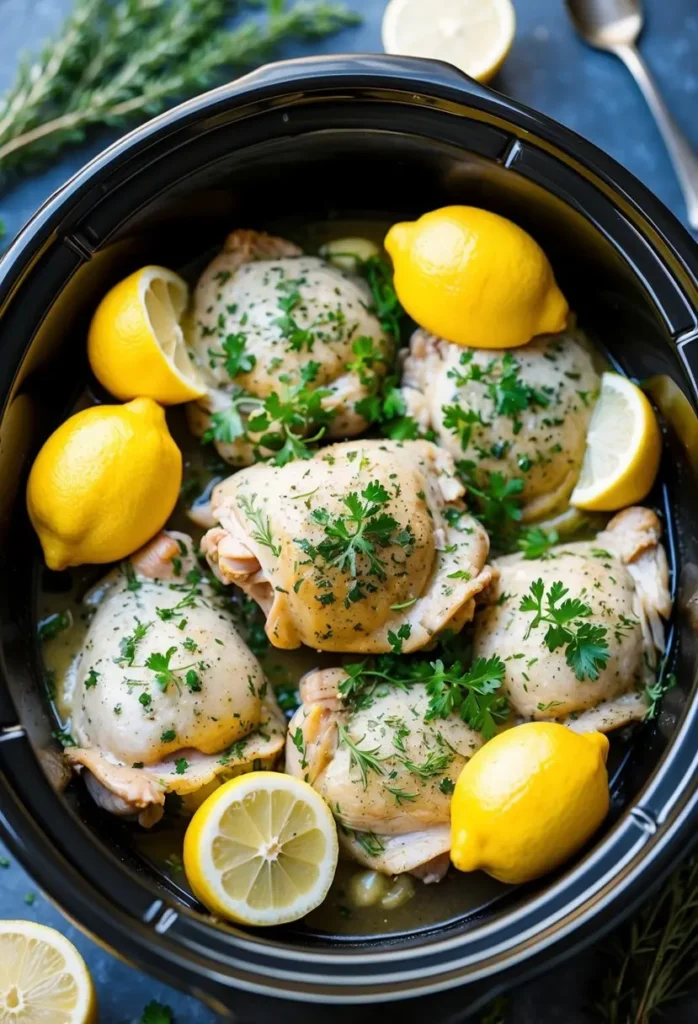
<point x="365" y="68"/>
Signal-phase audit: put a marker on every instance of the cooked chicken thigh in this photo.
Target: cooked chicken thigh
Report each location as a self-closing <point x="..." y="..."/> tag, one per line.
<point x="393" y="805"/>
<point x="266" y="319"/>
<point x="598" y="681"/>
<point x="365" y="547"/>
<point x="522" y="414"/>
<point x="167" y="695"/>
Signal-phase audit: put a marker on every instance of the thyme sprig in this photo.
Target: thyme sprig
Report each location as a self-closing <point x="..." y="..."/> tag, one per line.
<point x="652" y="959"/>
<point x="116" y="63"/>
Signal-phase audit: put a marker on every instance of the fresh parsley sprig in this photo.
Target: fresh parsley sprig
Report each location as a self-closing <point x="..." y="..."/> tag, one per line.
<point x="586" y="647"/>
<point x="360" y="532"/>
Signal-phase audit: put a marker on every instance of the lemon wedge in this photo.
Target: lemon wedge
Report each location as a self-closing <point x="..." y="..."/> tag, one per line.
<point x="623" y="449"/>
<point x="136" y="344"/>
<point x="262" y="850"/>
<point x="473" y="35"/>
<point x="43" y="977"/>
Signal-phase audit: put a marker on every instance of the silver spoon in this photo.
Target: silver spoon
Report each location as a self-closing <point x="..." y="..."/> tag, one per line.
<point x="615" y="25"/>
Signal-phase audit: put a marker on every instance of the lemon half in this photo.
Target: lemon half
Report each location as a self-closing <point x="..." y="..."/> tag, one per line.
<point x="136" y="344"/>
<point x="262" y="850"/>
<point x="623" y="450"/>
<point x="43" y="978"/>
<point x="473" y="35"/>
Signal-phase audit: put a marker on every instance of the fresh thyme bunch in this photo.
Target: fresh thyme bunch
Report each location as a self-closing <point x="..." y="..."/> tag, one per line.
<point x="115" y="62"/>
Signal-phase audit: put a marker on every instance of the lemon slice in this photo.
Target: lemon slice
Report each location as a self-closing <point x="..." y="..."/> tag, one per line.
<point x="624" y="446"/>
<point x="262" y="850"/>
<point x="473" y="35"/>
<point x="43" y="978"/>
<point x="136" y="344"/>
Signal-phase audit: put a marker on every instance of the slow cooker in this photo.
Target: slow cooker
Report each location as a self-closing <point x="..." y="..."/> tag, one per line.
<point x="328" y="139"/>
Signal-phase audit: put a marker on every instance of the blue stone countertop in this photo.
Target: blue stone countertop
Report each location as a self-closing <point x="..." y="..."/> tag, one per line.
<point x="548" y="69"/>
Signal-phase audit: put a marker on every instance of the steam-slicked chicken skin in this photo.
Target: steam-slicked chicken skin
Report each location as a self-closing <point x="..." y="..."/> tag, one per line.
<point x="523" y="414"/>
<point x="393" y="811"/>
<point x="622" y="578"/>
<point x="167" y="695"/>
<point x="293" y="322"/>
<point x="363" y="546"/>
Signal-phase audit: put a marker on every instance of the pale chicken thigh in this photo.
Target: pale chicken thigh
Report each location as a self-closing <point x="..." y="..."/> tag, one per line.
<point x="365" y="547"/>
<point x="268" y="320"/>
<point x="593" y="676"/>
<point x="523" y="414"/>
<point x="385" y="771"/>
<point x="166" y="694"/>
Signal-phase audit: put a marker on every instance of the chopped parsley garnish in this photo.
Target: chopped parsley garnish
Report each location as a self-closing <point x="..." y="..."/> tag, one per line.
<point x="91" y="679"/>
<point x="536" y="542"/>
<point x="385" y="305"/>
<point x="395" y="639"/>
<point x="128" y="644"/>
<point x="509" y="394"/>
<point x="168" y="736"/>
<point x="299" y="743"/>
<point x="293" y="419"/>
<point x="360" y="532"/>
<point x="156" y="1013"/>
<point x="181" y="765"/>
<point x="471" y="694"/>
<point x="586" y="648"/>
<point x="447" y="786"/>
<point x="496" y="501"/>
<point x="235" y="359"/>
<point x="262" y="533"/>
<point x="132" y="582"/>
<point x="54" y="624"/>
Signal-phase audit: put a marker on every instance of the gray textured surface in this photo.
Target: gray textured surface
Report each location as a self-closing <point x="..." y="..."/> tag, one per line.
<point x="548" y="69"/>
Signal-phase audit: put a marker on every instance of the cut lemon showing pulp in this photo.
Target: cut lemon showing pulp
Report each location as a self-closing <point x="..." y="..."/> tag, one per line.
<point x="262" y="850"/>
<point x="473" y="35"/>
<point x="136" y="344"/>
<point x="43" y="978"/>
<point x="623" y="449"/>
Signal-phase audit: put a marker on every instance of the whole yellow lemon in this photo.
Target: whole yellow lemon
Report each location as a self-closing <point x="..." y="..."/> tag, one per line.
<point x="528" y="800"/>
<point x="475" y="278"/>
<point x="104" y="483"/>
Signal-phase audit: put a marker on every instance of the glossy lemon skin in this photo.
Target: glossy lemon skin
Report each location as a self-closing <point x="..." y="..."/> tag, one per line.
<point x="528" y="800"/>
<point x="475" y="278"/>
<point x="104" y="483"/>
<point x="123" y="351"/>
<point x="639" y="469"/>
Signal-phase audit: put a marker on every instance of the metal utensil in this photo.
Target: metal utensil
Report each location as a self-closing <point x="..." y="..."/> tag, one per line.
<point x="615" y="25"/>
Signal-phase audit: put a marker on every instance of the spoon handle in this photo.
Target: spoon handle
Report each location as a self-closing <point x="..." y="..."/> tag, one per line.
<point x="682" y="155"/>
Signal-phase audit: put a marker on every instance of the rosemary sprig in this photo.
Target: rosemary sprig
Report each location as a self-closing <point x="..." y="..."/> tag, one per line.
<point x="652" y="959"/>
<point x="115" y="63"/>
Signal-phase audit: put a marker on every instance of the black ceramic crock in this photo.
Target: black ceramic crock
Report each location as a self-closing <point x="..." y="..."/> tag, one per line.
<point x="326" y="139"/>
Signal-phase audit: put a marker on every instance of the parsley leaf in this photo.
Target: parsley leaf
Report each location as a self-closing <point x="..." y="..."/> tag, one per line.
<point x="385" y="305"/>
<point x="395" y="639"/>
<point x="234" y="356"/>
<point x="360" y="532"/>
<point x="586" y="648"/>
<point x="535" y="543"/>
